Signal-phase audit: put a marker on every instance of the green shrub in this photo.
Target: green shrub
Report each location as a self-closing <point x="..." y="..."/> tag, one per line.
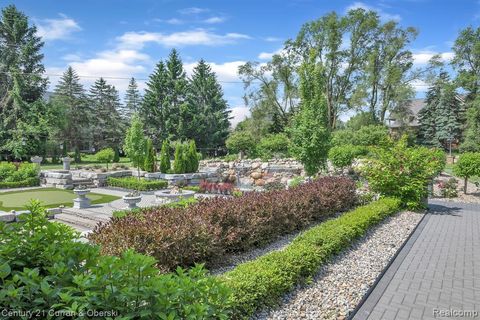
<point x="165" y="157"/>
<point x="105" y="156"/>
<point x="149" y="164"/>
<point x="29" y="182"/>
<point x="468" y="165"/>
<point x="403" y="172"/>
<point x="54" y="271"/>
<point x="262" y="282"/>
<point x="241" y="141"/>
<point x="116" y="157"/>
<point x="179" y="164"/>
<point x="191" y="156"/>
<point x="6" y="170"/>
<point x="134" y="183"/>
<point x="344" y="155"/>
<point x="274" y="145"/>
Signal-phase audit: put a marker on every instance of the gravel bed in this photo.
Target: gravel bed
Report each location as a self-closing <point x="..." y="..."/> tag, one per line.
<point x="340" y="285"/>
<point x="472" y="196"/>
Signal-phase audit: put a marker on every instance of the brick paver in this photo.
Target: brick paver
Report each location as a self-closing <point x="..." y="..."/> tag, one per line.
<point x="436" y="273"/>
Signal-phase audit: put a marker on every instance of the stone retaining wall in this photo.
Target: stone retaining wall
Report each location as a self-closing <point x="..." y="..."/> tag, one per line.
<point x="254" y="172"/>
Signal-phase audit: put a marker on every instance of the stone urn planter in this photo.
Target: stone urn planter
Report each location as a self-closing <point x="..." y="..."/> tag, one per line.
<point x="132" y="199"/>
<point x="81" y="201"/>
<point x="172" y="195"/>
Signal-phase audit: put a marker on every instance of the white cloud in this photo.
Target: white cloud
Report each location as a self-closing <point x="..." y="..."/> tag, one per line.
<point x="269" y="55"/>
<point x="178" y="39"/>
<point x="383" y="15"/>
<point x="422" y="57"/>
<point x="226" y="72"/>
<point x="71" y="57"/>
<point x="174" y="21"/>
<point x="193" y="10"/>
<point x="272" y="39"/>
<point x="214" y="20"/>
<point x="56" y="29"/>
<point x="238" y="114"/>
<point x="420" y="86"/>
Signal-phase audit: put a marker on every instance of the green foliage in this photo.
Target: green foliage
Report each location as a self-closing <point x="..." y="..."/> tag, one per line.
<point x="448" y="189"/>
<point x="360" y="120"/>
<point x="136" y="184"/>
<point x="371" y="135"/>
<point x="28" y="182"/>
<point x="149" y="163"/>
<point x="472" y="133"/>
<point x="343" y="156"/>
<point x="191" y="156"/>
<point x="179" y="163"/>
<point x="165" y="157"/>
<point x="263" y="281"/>
<point x="22" y="175"/>
<point x="403" y="172"/>
<point x="273" y="145"/>
<point x="468" y="165"/>
<point x="105" y="156"/>
<point x="134" y="145"/>
<point x="55" y="271"/>
<point x="241" y="141"/>
<point x="116" y="157"/>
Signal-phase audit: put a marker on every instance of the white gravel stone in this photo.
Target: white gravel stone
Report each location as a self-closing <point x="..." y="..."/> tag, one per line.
<point x="340" y="285"/>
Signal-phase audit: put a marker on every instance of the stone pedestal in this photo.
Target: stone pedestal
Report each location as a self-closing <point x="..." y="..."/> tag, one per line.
<point x="132" y="201"/>
<point x="37" y="160"/>
<point x="81" y="202"/>
<point x="66" y="163"/>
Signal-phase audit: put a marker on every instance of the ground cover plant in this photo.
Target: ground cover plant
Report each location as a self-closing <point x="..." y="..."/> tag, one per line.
<point x="205" y="231"/>
<point x="49" y="197"/>
<point x="262" y="282"/>
<point x="53" y="271"/>
<point x="136" y="183"/>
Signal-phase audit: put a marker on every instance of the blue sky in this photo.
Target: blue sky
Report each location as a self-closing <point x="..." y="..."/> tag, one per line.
<point x="120" y="39"/>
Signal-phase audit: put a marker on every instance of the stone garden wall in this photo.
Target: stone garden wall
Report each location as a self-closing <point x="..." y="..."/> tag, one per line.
<point x="254" y="172"/>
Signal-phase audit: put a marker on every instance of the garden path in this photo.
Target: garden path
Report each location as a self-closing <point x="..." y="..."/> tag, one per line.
<point x="437" y="273"/>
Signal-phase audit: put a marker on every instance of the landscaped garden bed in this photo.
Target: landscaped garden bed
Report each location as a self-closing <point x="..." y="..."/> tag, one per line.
<point x="207" y="230"/>
<point x="135" y="183"/>
<point x="49" y="197"/>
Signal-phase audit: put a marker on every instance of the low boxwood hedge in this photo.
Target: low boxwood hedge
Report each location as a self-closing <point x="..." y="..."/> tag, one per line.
<point x="29" y="182"/>
<point x="136" y="184"/>
<point x="263" y="281"/>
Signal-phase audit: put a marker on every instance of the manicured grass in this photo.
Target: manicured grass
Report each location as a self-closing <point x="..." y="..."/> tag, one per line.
<point x="50" y="198"/>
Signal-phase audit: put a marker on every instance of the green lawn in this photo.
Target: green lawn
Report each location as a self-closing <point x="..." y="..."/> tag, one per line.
<point x="50" y="198"/>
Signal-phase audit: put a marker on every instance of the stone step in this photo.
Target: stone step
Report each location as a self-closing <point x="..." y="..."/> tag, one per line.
<point x="79" y="228"/>
<point x="96" y="217"/>
<point x="76" y="220"/>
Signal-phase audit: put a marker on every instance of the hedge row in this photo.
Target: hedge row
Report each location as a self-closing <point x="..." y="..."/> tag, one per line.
<point x="263" y="281"/>
<point x="207" y="230"/>
<point x="29" y="182"/>
<point x="136" y="184"/>
<point x="54" y="275"/>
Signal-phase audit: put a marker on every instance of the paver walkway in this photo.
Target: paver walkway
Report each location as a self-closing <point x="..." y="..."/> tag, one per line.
<point x="437" y="274"/>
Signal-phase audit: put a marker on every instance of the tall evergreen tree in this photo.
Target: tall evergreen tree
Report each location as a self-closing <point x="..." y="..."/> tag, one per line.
<point x="108" y="126"/>
<point x="22" y="84"/>
<point x="175" y="99"/>
<point x="443" y="118"/>
<point x="71" y="100"/>
<point x="152" y="109"/>
<point x="133" y="99"/>
<point x="207" y="117"/>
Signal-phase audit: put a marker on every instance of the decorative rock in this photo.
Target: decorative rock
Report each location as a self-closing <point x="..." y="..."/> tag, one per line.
<point x="256" y="175"/>
<point x="259" y="182"/>
<point x="7" y="216"/>
<point x="256" y="165"/>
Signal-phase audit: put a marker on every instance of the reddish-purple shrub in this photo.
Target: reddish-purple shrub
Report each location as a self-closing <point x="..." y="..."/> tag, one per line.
<point x="213" y="187"/>
<point x="213" y="227"/>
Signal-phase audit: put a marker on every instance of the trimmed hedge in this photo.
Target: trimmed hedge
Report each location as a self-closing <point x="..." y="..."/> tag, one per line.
<point x="136" y="184"/>
<point x="264" y="281"/>
<point x="29" y="182"/>
<point x="207" y="230"/>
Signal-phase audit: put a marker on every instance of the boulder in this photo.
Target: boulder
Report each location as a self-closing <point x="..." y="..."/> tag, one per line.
<point x="256" y="175"/>
<point x="259" y="182"/>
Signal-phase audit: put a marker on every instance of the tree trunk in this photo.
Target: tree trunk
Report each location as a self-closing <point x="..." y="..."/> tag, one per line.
<point x="465" y="186"/>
